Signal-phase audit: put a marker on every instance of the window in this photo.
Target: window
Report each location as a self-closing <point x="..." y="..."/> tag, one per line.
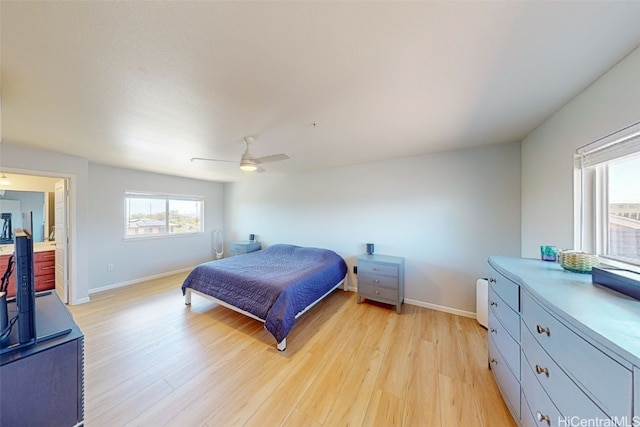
<point x="609" y="196"/>
<point x="154" y="215"/>
<point x="623" y="219"/>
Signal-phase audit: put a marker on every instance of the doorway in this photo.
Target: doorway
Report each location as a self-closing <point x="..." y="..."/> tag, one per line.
<point x="51" y="217"/>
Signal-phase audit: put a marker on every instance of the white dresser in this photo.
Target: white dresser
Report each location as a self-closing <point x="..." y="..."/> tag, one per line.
<point x="563" y="351"/>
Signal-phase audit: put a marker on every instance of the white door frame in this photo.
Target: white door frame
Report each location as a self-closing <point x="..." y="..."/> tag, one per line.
<point x="72" y="271"/>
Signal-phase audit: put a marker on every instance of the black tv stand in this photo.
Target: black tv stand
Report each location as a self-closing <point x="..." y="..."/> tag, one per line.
<point x="43" y="383"/>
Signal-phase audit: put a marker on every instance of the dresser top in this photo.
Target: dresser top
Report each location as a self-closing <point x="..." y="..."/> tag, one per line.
<point x="381" y="258"/>
<point x="52" y="319"/>
<point x="607" y="317"/>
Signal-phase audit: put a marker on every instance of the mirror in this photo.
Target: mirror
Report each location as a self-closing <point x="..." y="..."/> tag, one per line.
<point x="28" y="193"/>
<point x="13" y="203"/>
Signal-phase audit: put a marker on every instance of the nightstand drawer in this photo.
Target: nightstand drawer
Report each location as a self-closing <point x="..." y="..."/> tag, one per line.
<point x="383" y="281"/>
<point x="239" y="248"/>
<point x="377" y="268"/>
<point x="377" y="292"/>
<point x="236" y="250"/>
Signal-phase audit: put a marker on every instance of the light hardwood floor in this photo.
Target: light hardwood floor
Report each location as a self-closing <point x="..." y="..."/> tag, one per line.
<point x="151" y="361"/>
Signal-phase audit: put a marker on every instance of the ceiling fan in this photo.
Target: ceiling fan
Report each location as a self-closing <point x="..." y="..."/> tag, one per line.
<point x="248" y="163"/>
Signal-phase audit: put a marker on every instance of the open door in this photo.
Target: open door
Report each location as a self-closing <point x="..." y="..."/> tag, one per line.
<point x="62" y="281"/>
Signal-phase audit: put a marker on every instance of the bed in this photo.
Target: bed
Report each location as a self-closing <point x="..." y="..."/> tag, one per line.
<point x="275" y="285"/>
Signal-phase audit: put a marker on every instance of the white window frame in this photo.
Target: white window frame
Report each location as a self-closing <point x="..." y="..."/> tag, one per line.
<point x="168" y="198"/>
<point x="591" y="205"/>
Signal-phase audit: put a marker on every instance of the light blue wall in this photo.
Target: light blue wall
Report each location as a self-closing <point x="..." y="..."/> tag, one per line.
<point x="609" y="104"/>
<point x="445" y="213"/>
<point x="137" y="259"/>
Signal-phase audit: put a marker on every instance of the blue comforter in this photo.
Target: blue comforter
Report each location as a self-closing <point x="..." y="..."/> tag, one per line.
<point x="274" y="284"/>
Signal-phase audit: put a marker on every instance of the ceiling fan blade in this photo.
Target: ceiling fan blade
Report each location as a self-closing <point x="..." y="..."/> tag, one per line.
<point x="268" y="159"/>
<point x="213" y="160"/>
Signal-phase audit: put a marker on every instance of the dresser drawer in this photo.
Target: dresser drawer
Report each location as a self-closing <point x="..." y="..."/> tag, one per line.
<point x="507" y="382"/>
<point x="566" y="395"/>
<point x="509" y="318"/>
<point x="376" y="268"/>
<point x="508" y="347"/>
<point x="541" y="411"/>
<point x="604" y="380"/>
<point x="383" y="281"/>
<point x="506" y="289"/>
<point x="377" y="292"/>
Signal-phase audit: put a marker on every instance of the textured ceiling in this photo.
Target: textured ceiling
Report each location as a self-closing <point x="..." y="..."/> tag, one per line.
<point x="149" y="85"/>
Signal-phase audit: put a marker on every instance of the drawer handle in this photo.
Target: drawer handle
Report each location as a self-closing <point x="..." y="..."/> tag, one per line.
<point x="493" y="330"/>
<point x="377" y="292"/>
<point x="541" y="417"/>
<point x="493" y="304"/>
<point x="542" y="330"/>
<point x="48" y="268"/>
<point x="492" y="280"/>
<point x="375" y="269"/>
<point x="541" y="370"/>
<point x="376" y="281"/>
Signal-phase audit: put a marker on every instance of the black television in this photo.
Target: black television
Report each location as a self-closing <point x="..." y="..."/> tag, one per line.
<point x="25" y="287"/>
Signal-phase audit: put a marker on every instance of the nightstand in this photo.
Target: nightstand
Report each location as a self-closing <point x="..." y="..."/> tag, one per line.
<point x="381" y="278"/>
<point x="244" y="247"/>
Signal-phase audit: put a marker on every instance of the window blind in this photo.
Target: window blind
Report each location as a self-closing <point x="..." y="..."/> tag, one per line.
<point x="614" y="146"/>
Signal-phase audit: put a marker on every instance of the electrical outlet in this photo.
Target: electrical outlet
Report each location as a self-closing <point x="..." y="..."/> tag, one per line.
<point x="110" y="267"/>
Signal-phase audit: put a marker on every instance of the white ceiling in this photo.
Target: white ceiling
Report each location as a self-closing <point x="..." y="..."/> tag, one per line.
<point x="148" y="85"/>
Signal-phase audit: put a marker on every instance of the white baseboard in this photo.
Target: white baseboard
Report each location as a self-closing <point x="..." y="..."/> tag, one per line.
<point x="135" y="281"/>
<point x="437" y="307"/>
<point x="80" y="301"/>
<point x="443" y="308"/>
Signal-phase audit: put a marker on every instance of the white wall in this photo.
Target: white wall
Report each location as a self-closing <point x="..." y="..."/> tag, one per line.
<point x="137" y="259"/>
<point x="445" y="213"/>
<point x="609" y="104"/>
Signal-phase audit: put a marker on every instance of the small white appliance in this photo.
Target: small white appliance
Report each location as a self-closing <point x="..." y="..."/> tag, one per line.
<point x="482" y="306"/>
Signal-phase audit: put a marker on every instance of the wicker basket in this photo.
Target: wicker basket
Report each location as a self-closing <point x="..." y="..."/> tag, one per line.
<point x="578" y="262"/>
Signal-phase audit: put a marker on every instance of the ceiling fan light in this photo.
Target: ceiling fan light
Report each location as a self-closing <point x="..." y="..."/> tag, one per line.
<point x="247" y="165"/>
<point x="4" y="180"/>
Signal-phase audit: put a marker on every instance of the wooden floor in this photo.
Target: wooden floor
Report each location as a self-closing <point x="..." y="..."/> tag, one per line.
<point x="151" y="361"/>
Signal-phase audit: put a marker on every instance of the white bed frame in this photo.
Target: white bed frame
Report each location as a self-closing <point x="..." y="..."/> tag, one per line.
<point x="282" y="345"/>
